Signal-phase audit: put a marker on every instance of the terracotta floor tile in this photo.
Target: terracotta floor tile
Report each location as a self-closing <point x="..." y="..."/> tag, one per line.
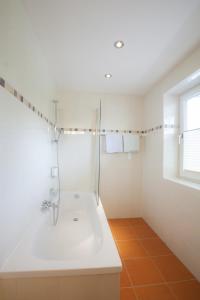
<point x="143" y="271"/>
<point x="121" y="222"/>
<point x="124" y="279"/>
<point x="131" y="249"/>
<point x="155" y="247"/>
<point x="127" y="294"/>
<point x="188" y="290"/>
<point x="122" y="232"/>
<point x="135" y="221"/>
<point x="142" y="231"/>
<point x="158" y="292"/>
<point x="172" y="269"/>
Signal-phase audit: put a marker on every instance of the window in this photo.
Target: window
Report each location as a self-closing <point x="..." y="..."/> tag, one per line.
<point x="190" y="135"/>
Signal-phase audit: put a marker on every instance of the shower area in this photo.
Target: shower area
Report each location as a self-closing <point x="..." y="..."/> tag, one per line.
<point x="73" y="205"/>
<point x="70" y="241"/>
<point x="76" y="161"/>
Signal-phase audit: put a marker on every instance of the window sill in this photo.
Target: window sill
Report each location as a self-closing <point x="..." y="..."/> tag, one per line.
<point x="184" y="182"/>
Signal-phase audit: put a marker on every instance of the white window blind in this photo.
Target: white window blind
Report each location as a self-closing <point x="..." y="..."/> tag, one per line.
<point x="191" y="134"/>
<point x="191" y="150"/>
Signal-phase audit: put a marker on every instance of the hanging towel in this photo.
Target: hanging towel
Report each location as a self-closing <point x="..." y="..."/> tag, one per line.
<point x="114" y="143"/>
<point x="131" y="143"/>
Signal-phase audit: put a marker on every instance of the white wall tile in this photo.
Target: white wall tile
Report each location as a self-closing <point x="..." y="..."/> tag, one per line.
<point x="171" y="209"/>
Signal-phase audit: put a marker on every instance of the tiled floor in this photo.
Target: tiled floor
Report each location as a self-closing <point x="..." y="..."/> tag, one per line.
<point x="150" y="270"/>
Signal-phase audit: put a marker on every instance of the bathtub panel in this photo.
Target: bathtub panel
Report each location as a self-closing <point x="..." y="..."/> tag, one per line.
<point x="37" y="288"/>
<point x="8" y="289"/>
<point x="98" y="287"/>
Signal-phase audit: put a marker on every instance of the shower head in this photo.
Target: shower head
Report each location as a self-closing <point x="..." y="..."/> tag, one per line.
<point x="55" y="102"/>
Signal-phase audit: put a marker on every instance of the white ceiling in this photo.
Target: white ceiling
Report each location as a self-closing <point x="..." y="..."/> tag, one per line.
<point x="77" y="38"/>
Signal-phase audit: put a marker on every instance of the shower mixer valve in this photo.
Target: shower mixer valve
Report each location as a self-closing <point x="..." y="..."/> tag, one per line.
<point x="46" y="205"/>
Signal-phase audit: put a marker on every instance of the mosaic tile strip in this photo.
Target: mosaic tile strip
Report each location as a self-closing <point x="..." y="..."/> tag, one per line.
<point x="157" y="128"/>
<point x="93" y="131"/>
<point x="106" y="131"/>
<point x="4" y="84"/>
<point x="171" y="126"/>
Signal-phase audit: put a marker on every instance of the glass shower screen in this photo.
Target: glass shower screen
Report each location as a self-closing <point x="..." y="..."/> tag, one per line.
<point x="98" y="156"/>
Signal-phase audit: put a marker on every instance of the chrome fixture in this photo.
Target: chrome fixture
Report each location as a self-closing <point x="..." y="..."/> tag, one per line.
<point x="46" y="204"/>
<point x="56" y="169"/>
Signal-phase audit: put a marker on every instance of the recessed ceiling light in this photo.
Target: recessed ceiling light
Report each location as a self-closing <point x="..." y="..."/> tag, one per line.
<point x="119" y="44"/>
<point x="108" y="75"/>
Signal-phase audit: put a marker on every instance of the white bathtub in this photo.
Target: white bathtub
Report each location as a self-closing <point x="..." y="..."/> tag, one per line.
<point x="81" y="244"/>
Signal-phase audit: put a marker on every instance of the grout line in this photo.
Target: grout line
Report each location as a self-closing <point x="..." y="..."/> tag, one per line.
<point x="162" y="276"/>
<point x="129" y="277"/>
<point x="160" y="283"/>
<point x="172" y="292"/>
<point x="174" y="282"/>
<point x="180" y="281"/>
<point x="136" y="239"/>
<point x="150" y="284"/>
<point x="165" y="283"/>
<point x="134" y="286"/>
<point x="151" y="257"/>
<point x="155" y="284"/>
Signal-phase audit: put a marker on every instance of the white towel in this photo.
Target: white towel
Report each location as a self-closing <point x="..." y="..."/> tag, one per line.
<point x="114" y="143"/>
<point x="131" y="143"/>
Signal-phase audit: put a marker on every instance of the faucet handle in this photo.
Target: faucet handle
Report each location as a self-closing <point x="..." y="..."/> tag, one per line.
<point x="46" y="204"/>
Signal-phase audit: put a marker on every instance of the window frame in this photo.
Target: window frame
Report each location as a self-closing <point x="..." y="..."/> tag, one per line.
<point x="186" y="174"/>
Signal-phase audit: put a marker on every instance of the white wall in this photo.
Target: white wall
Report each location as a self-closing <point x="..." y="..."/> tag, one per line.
<point x="120" y="178"/>
<point x="170" y="208"/>
<point x="25" y="152"/>
<point x="21" y="60"/>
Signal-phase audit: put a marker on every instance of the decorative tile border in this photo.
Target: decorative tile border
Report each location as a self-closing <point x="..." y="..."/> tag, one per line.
<point x="4" y="84"/>
<point x="157" y="128"/>
<point x="93" y="131"/>
<point x="153" y="129"/>
<point x="107" y="131"/>
<point x="171" y="126"/>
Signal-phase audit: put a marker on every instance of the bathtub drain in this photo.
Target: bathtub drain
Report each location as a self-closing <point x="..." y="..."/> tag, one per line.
<point x="75" y="219"/>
